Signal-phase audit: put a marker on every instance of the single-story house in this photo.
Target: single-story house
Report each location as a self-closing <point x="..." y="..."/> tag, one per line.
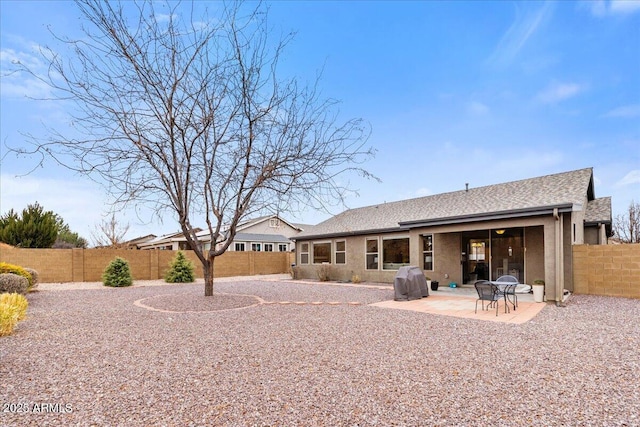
<point x="523" y="228"/>
<point x="268" y="233"/>
<point x="133" y="243"/>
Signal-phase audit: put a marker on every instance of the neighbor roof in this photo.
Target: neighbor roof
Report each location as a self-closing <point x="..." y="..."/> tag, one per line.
<point x="518" y="198"/>
<point x="253" y="237"/>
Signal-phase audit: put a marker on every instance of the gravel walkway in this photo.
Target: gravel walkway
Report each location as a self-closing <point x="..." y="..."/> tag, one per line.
<point x="134" y="357"/>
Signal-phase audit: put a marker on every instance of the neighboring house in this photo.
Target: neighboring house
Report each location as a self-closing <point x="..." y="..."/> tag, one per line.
<point x="168" y="242"/>
<point x="264" y="234"/>
<point x="133" y="243"/>
<point x="524" y="228"/>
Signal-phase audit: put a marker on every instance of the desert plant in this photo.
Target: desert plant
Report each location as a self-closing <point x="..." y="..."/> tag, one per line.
<point x="10" y="282"/>
<point x="324" y="273"/>
<point x="35" y="278"/>
<point x="180" y="270"/>
<point x="355" y="279"/>
<point x="16" y="269"/>
<point x="19" y="302"/>
<point x="8" y="319"/>
<point x="117" y="273"/>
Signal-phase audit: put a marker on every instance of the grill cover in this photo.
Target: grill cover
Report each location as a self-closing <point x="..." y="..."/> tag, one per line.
<point x="410" y="284"/>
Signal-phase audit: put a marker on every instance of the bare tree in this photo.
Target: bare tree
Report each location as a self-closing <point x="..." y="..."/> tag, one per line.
<point x="627" y="226"/>
<point x="190" y="115"/>
<point x="110" y="233"/>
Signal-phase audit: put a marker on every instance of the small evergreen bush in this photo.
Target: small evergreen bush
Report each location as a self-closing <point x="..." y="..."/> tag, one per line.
<point x="11" y="283"/>
<point x="117" y="274"/>
<point x="180" y="270"/>
<point x="15" y="269"/>
<point x="19" y="302"/>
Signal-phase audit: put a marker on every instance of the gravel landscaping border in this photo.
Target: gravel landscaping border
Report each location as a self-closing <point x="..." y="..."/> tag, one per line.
<point x="325" y="358"/>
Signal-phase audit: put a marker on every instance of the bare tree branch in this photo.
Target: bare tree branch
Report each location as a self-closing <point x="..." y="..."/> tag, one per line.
<point x="110" y="233"/>
<point x="627" y="227"/>
<point x="189" y="116"/>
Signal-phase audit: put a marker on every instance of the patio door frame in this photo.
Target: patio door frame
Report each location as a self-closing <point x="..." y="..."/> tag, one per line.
<point x="513" y="251"/>
<point x="491" y="234"/>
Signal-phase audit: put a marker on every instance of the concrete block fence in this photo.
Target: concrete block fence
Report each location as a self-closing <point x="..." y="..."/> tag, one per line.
<point x="87" y="265"/>
<point x="607" y="270"/>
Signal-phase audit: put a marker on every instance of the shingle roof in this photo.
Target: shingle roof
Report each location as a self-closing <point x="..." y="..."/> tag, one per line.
<point x="252" y="237"/>
<point x="598" y="211"/>
<point x="567" y="188"/>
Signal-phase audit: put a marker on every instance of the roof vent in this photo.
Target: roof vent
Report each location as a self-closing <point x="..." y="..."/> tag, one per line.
<point x="466" y="184"/>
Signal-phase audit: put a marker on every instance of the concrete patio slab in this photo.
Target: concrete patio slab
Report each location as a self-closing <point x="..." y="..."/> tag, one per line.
<point x="461" y="306"/>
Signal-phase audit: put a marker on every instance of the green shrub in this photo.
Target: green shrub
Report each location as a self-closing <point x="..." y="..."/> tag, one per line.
<point x="8" y="319"/>
<point x="16" y="269"/>
<point x="117" y="273"/>
<point x="11" y="283"/>
<point x="19" y="302"/>
<point x="180" y="270"/>
<point x="35" y="278"/>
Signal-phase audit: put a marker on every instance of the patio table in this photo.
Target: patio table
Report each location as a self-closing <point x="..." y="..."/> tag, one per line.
<point x="508" y="288"/>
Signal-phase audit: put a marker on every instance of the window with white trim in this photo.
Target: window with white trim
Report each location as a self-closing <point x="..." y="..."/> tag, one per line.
<point x="283" y="247"/>
<point x="341" y="252"/>
<point x="321" y="252"/>
<point x="239" y="247"/>
<point x="268" y="247"/>
<point x="427" y="251"/>
<point x="395" y="253"/>
<point x="304" y="253"/>
<point x="372" y="254"/>
<point x="256" y="247"/>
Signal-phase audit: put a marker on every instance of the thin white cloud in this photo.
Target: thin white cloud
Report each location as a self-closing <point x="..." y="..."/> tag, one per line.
<point x="624" y="6"/>
<point x="81" y="203"/>
<point x="77" y="202"/>
<point x="18" y="83"/>
<point x="604" y="8"/>
<point x="631" y="178"/>
<point x="525" y="25"/>
<point x="165" y="17"/>
<point x="477" y="108"/>
<point x="625" y="111"/>
<point x="557" y="92"/>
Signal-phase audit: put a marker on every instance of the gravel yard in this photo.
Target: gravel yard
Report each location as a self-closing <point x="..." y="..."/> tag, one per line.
<point x="282" y="353"/>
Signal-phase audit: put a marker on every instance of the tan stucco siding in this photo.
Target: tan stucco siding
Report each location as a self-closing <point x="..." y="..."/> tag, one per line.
<point x="540" y="252"/>
<point x="534" y="254"/>
<point x="592" y="236"/>
<point x="568" y="254"/>
<point x="264" y="228"/>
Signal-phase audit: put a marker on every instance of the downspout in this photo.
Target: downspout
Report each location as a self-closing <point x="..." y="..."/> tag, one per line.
<point x="559" y="283"/>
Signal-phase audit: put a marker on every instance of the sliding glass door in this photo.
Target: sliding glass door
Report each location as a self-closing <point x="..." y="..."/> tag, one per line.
<point x="507" y="253"/>
<point x="489" y="254"/>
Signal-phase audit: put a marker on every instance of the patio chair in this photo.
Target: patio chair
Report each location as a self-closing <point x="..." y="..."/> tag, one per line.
<point x="507" y="287"/>
<point x="489" y="292"/>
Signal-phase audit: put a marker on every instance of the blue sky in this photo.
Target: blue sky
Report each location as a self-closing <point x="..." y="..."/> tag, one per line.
<point x="455" y="92"/>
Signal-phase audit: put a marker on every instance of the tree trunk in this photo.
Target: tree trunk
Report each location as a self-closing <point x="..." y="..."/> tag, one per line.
<point x="208" y="277"/>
